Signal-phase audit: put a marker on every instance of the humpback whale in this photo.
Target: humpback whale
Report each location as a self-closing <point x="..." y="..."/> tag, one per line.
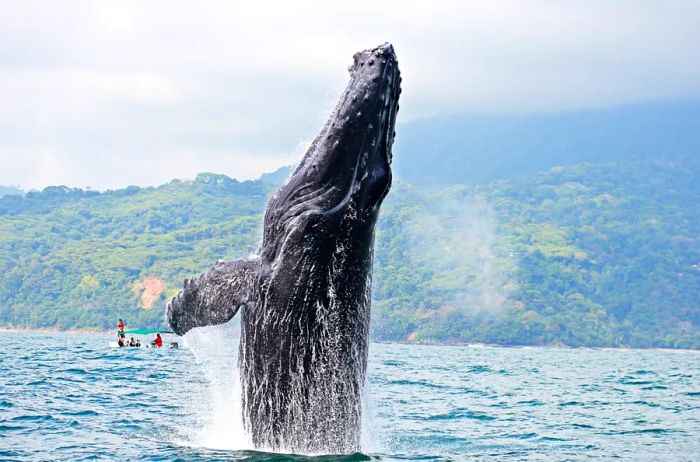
<point x="305" y="296"/>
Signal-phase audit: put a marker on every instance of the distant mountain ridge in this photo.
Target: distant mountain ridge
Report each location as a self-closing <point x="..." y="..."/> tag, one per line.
<point x="469" y="149"/>
<point x="479" y="148"/>
<point x="10" y="191"/>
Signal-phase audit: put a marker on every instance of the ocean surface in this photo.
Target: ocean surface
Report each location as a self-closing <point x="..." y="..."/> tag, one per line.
<point x="73" y="397"/>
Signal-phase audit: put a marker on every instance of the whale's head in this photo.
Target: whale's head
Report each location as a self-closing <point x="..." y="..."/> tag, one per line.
<point x="347" y="169"/>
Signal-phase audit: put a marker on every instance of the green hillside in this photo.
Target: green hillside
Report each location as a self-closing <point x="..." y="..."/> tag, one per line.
<point x="593" y="255"/>
<point x="597" y="255"/>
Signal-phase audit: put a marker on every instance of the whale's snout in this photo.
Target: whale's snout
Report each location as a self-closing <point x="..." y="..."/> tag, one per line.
<point x="377" y="81"/>
<point x="348" y="166"/>
<point x="383" y="54"/>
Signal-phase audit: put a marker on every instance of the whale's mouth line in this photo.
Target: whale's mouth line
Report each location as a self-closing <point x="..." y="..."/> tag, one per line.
<point x="386" y="116"/>
<point x="348" y="195"/>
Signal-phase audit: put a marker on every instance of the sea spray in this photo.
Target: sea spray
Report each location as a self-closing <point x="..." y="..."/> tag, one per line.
<point x="457" y="239"/>
<point x="216" y="407"/>
<point x="370" y="439"/>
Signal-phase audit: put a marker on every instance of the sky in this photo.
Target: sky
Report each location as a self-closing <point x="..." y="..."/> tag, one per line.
<point x="106" y="94"/>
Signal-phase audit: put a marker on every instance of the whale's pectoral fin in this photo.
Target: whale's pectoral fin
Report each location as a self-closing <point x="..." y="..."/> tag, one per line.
<point x="214" y="298"/>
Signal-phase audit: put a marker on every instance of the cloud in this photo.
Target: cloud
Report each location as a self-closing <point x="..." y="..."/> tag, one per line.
<point x="233" y="87"/>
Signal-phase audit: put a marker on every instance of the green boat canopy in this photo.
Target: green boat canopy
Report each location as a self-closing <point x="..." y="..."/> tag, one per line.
<point x="147" y="331"/>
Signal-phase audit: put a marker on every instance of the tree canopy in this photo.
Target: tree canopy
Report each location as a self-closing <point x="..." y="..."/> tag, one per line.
<point x="583" y="255"/>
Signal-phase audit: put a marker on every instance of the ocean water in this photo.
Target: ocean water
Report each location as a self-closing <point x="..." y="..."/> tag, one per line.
<point x="72" y="397"/>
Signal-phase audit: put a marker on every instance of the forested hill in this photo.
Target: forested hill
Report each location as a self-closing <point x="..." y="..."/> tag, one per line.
<point x="591" y="254"/>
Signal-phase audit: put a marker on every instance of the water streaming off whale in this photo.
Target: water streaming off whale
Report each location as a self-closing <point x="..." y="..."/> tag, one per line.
<point x="215" y="404"/>
<point x="216" y="407"/>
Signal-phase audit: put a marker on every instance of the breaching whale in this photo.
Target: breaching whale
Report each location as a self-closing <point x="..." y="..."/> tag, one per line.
<point x="305" y="296"/>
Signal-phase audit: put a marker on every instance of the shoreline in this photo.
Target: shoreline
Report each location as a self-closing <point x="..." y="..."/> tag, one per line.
<point x="53" y="330"/>
<point x="555" y="346"/>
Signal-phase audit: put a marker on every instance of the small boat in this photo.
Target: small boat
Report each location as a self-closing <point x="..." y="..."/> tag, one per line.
<point x="146" y="343"/>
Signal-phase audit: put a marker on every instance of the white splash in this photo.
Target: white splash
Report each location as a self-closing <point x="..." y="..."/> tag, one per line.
<point x="216" y="406"/>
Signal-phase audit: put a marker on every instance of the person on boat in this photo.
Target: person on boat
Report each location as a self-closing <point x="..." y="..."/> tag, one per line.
<point x="120" y="329"/>
<point x="132" y="342"/>
<point x="138" y="343"/>
<point x="120" y="342"/>
<point x="159" y="341"/>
